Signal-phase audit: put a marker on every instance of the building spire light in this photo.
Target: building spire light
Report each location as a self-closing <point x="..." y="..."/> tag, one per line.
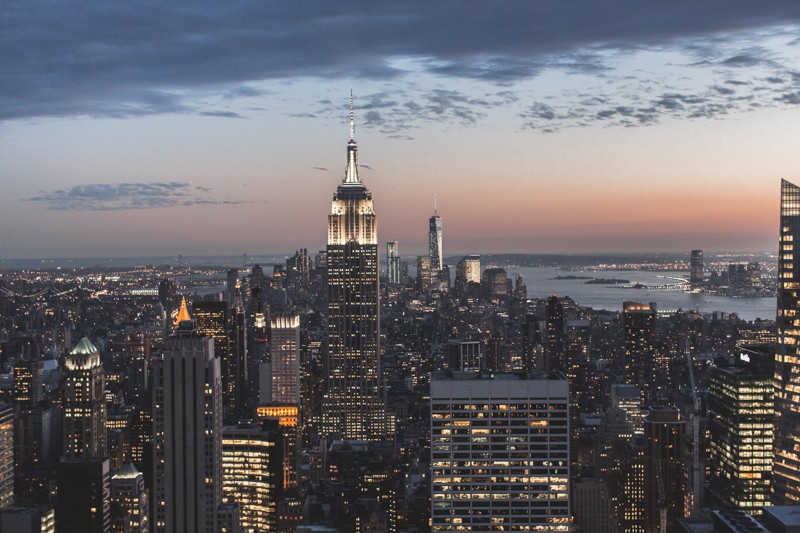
<point x="351" y="171"/>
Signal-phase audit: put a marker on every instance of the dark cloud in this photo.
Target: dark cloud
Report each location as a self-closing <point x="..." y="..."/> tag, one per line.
<point x="320" y="168"/>
<point x="124" y="196"/>
<point x="123" y="59"/>
<point x="223" y="114"/>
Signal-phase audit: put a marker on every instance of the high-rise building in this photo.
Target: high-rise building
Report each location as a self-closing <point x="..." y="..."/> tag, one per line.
<point x="252" y="474"/>
<point x="393" y="265"/>
<point x="639" y="325"/>
<point x="6" y="455"/>
<point x="353" y="405"/>
<point x="425" y="275"/>
<point x="664" y="471"/>
<point x="555" y="354"/>
<point x="285" y="359"/>
<point x="488" y="479"/>
<point x="464" y="356"/>
<point x="187" y="433"/>
<point x="468" y="271"/>
<point x="435" y="242"/>
<point x="696" y="269"/>
<point x="83" y="504"/>
<point x="225" y="324"/>
<point x="129" y="495"/>
<point x="84" y="403"/>
<point x="786" y="458"/>
<point x="740" y="411"/>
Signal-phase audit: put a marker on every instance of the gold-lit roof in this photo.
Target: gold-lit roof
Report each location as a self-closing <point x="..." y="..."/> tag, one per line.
<point x="183" y="313"/>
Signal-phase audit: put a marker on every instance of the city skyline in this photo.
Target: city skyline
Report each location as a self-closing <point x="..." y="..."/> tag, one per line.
<point x="660" y="128"/>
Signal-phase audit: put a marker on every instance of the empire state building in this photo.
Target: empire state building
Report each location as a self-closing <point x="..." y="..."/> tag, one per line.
<point x="353" y="406"/>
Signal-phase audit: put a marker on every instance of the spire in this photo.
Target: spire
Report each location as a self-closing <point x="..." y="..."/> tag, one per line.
<point x="183" y="313"/>
<point x="435" y="210"/>
<point x="352" y="119"/>
<point x="351" y="171"/>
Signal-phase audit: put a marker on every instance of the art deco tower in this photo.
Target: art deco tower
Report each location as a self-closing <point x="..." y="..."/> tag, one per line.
<point x="84" y="403"/>
<point x="353" y="406"/>
<point x="786" y="455"/>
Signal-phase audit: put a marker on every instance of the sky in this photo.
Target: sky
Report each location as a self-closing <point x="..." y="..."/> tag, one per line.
<point x="540" y="126"/>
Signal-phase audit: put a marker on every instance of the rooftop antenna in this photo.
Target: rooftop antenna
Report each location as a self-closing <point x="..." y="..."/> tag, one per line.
<point x="435" y="201"/>
<point x="352" y="119"/>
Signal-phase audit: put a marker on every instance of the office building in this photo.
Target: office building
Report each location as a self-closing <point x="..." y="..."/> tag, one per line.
<point x="464" y="356"/>
<point x="555" y="355"/>
<point x="627" y="398"/>
<point x="468" y="274"/>
<point x="225" y="325"/>
<point x="425" y="274"/>
<point x="394" y="266"/>
<point x="664" y="471"/>
<point x="495" y="283"/>
<point x="6" y="455"/>
<point x="83" y="504"/>
<point x="435" y="242"/>
<point x="786" y="458"/>
<point x="252" y="465"/>
<point x="487" y="480"/>
<point x="187" y="433"/>
<point x="285" y="360"/>
<point x="129" y="495"/>
<point x="740" y="411"/>
<point x="84" y="403"/>
<point x="696" y="269"/>
<point x="28" y="520"/>
<point x="353" y="405"/>
<point x="639" y="327"/>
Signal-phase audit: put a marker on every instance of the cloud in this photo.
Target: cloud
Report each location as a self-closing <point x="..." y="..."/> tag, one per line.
<point x="125" y="196"/>
<point x="132" y="59"/>
<point x="223" y="114"/>
<point x="321" y="168"/>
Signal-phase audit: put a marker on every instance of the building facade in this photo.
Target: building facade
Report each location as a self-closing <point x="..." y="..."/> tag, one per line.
<point x="84" y="403"/>
<point x="740" y="411"/>
<point x="485" y="478"/>
<point x="353" y="405"/>
<point x="394" y="271"/>
<point x="187" y="434"/>
<point x="252" y="474"/>
<point x="786" y="458"/>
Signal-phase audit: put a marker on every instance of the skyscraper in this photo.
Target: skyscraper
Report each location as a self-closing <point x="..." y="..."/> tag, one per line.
<point x="639" y="324"/>
<point x="435" y="241"/>
<point x="225" y="324"/>
<point x="740" y="411"/>
<point x="393" y="265"/>
<point x="468" y="273"/>
<point x="696" y="269"/>
<point x="285" y="359"/>
<point x="252" y="474"/>
<point x="187" y="433"/>
<point x="353" y="406"/>
<point x="786" y="458"/>
<point x="83" y="504"/>
<point x="129" y="495"/>
<point x="664" y="479"/>
<point x="84" y="403"/>
<point x="489" y="479"/>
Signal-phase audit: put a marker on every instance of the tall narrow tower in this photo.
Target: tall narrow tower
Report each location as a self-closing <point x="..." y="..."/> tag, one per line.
<point x="786" y="459"/>
<point x="84" y="403"/>
<point x="353" y="406"/>
<point x="187" y="432"/>
<point x="435" y="241"/>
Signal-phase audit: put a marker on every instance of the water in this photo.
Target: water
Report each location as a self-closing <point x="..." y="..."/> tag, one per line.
<point x="610" y="297"/>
